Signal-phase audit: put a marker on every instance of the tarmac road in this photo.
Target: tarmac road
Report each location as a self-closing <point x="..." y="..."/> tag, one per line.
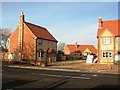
<point x="14" y="78"/>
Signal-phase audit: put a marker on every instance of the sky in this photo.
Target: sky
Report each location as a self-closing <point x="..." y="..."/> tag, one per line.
<point x="68" y="22"/>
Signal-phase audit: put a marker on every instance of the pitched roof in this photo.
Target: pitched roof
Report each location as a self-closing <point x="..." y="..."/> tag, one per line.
<point x="111" y="25"/>
<point x="71" y="47"/>
<point x="40" y="32"/>
<point x="81" y="48"/>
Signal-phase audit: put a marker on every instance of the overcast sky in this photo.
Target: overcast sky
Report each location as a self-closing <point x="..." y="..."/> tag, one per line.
<point x="68" y="22"/>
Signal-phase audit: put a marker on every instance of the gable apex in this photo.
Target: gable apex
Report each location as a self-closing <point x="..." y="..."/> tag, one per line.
<point x="106" y="33"/>
<point x="111" y="25"/>
<point x="29" y="30"/>
<point x="87" y="50"/>
<point x="14" y="31"/>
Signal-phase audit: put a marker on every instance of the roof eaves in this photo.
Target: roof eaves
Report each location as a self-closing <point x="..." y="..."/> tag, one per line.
<point x="47" y="39"/>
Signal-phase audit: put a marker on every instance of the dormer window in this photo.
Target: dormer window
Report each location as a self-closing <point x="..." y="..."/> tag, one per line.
<point x="106" y="40"/>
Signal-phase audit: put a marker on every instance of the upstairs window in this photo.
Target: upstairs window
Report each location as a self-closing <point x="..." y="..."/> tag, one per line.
<point x="39" y="41"/>
<point x="106" y="40"/>
<point x="54" y="43"/>
<point x="118" y="40"/>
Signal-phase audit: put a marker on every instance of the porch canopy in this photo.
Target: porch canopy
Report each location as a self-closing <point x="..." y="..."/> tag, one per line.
<point x="50" y="50"/>
<point x="40" y="50"/>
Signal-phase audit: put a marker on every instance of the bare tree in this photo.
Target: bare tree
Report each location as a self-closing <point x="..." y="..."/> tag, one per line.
<point x="0" y="40"/>
<point x="0" y="36"/>
<point x="4" y="35"/>
<point x="61" y="46"/>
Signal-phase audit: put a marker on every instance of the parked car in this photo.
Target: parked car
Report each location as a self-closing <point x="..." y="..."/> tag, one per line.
<point x="75" y="55"/>
<point x="83" y="57"/>
<point x="60" y="56"/>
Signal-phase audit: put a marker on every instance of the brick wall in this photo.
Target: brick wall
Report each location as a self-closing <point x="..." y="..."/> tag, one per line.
<point x="13" y="41"/>
<point x="29" y="44"/>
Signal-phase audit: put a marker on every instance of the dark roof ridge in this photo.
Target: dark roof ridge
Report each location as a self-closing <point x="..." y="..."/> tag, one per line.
<point x="36" y="25"/>
<point x="40" y="32"/>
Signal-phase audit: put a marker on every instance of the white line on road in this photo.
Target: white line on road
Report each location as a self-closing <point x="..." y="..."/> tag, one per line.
<point x="51" y="75"/>
<point x="83" y="74"/>
<point x="62" y="76"/>
<point x="81" y="77"/>
<point x="95" y="75"/>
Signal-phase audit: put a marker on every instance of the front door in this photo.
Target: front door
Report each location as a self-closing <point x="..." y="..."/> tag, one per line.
<point x="39" y="55"/>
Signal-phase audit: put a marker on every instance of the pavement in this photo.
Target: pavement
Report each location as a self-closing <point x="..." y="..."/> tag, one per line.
<point x="75" y="66"/>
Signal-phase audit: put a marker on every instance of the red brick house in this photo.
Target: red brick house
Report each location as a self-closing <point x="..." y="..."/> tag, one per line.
<point x="108" y="40"/>
<point x="35" y="42"/>
<point x="84" y="49"/>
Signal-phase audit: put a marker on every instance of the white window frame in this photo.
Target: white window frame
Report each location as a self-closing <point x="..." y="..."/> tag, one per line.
<point x="109" y="54"/>
<point x="39" y="54"/>
<point x="103" y="55"/>
<point x="106" y="40"/>
<point x="106" y="54"/>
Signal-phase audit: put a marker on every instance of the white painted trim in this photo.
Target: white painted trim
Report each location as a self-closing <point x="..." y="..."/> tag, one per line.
<point x="108" y="54"/>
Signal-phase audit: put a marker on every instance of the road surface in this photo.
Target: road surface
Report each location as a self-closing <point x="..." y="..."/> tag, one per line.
<point x="13" y="78"/>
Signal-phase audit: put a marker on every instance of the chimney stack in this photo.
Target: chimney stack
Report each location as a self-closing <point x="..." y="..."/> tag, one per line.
<point x="76" y="45"/>
<point x="99" y="22"/>
<point x="21" y="17"/>
<point x="21" y="28"/>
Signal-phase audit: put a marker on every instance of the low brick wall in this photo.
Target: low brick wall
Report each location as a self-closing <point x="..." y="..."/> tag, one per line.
<point x="3" y="56"/>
